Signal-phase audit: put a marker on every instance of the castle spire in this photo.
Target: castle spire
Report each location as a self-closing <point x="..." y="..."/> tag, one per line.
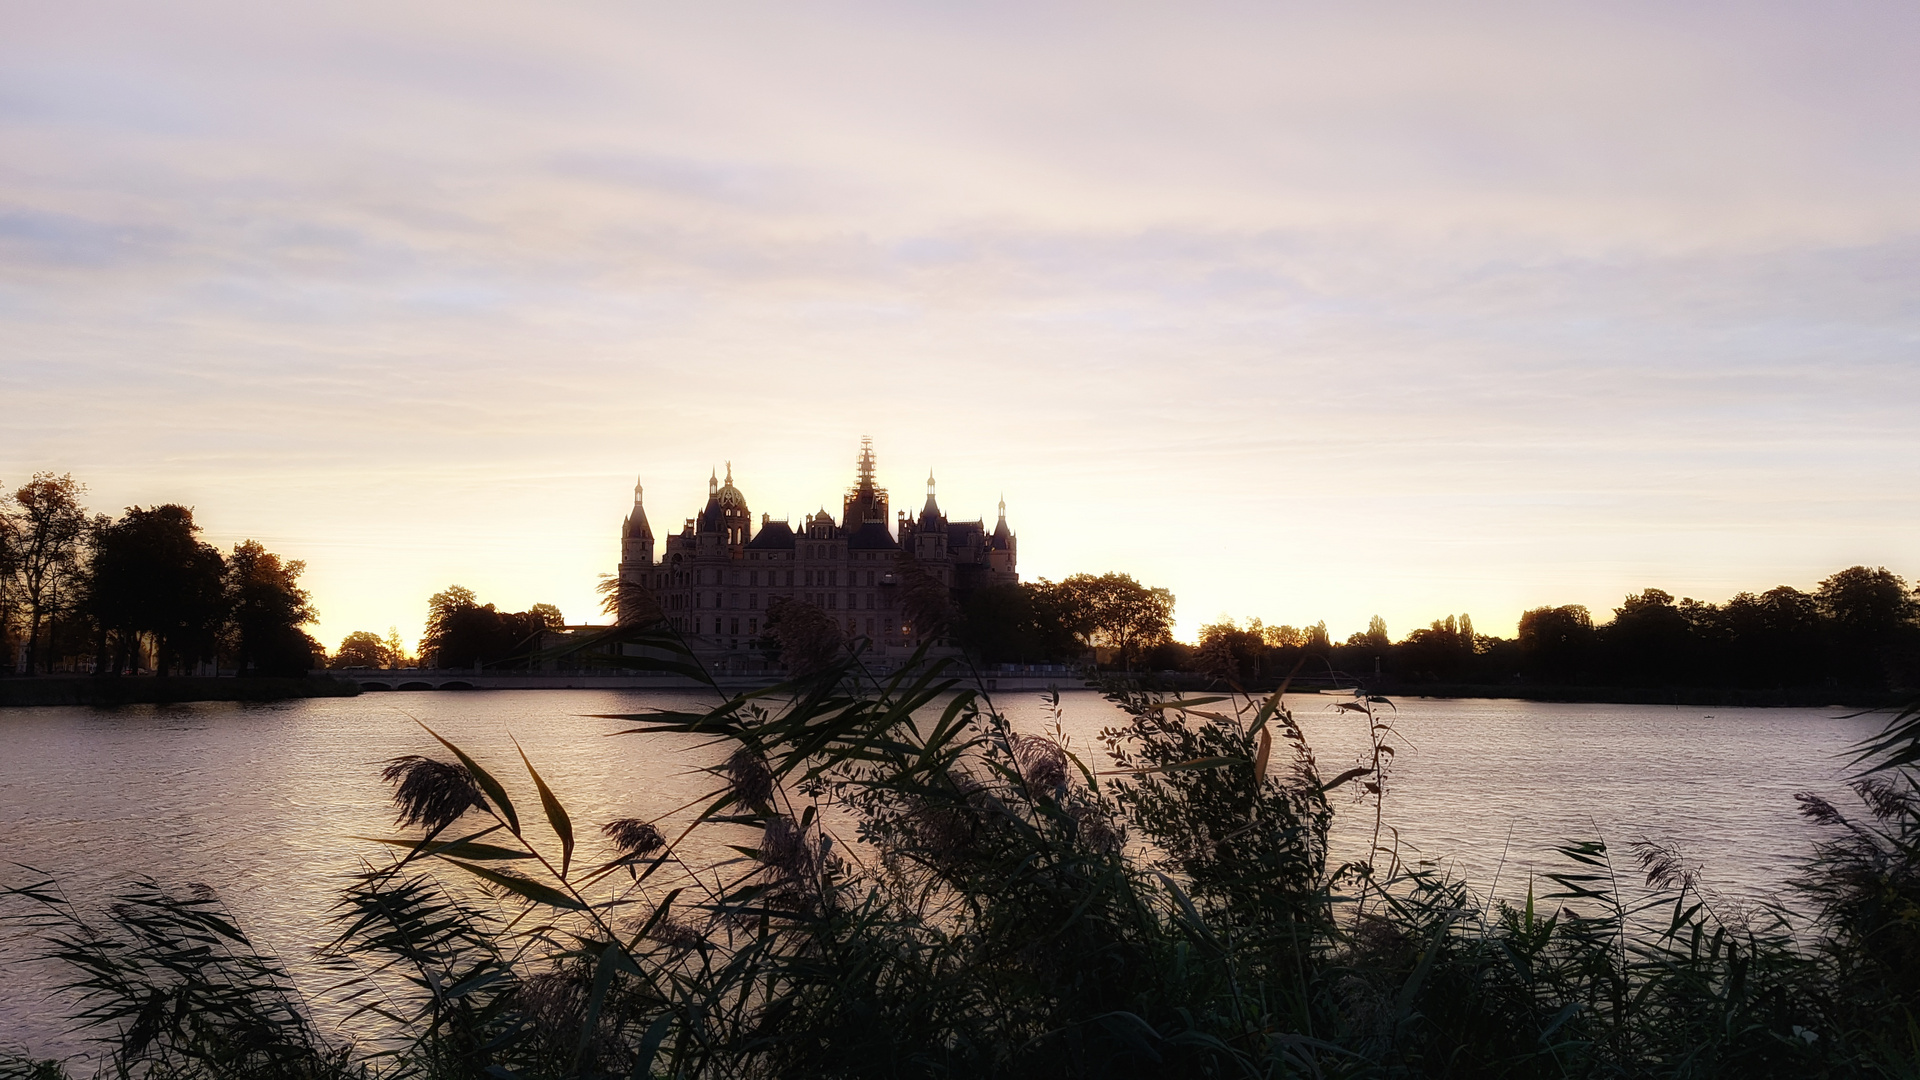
<point x="865" y="502"/>
<point x="1003" y="508"/>
<point x="713" y="480"/>
<point x="932" y="509"/>
<point x="636" y="527"/>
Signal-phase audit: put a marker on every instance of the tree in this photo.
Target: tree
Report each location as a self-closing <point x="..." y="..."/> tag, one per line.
<point x="462" y="632"/>
<point x="49" y="529"/>
<point x="1018" y="623"/>
<point x="1869" y="617"/>
<point x="1283" y="637"/>
<point x="1557" y="643"/>
<point x="362" y="649"/>
<point x="1228" y="652"/>
<point x="9" y="566"/>
<point x="150" y="576"/>
<point x="1773" y="638"/>
<point x="925" y="602"/>
<point x="809" y="638"/>
<point x="1124" y="615"/>
<point x="396" y="648"/>
<point x="266" y="609"/>
<point x="548" y="616"/>
<point x="1442" y="651"/>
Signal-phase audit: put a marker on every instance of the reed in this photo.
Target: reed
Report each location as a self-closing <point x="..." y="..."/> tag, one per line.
<point x="911" y="888"/>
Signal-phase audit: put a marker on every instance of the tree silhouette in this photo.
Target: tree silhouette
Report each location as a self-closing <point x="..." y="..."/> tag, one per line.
<point x="809" y="638"/>
<point x="462" y="632"/>
<point x="1122" y="614"/>
<point x="361" y="649"/>
<point x="150" y="576"/>
<point x="1869" y="616"/>
<point x="266" y="609"/>
<point x="1556" y="643"/>
<point x="49" y="528"/>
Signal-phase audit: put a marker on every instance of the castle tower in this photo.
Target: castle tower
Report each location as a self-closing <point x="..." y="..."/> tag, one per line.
<point x="1003" y="548"/>
<point x="930" y="531"/>
<point x="636" y="558"/>
<point x="865" y="501"/>
<point x="726" y="525"/>
<point x="636" y="536"/>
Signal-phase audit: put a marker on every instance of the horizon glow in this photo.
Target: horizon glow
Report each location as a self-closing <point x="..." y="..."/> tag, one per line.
<point x="1302" y="315"/>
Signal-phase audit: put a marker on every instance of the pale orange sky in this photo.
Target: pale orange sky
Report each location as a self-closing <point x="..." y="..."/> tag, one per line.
<point x="1303" y="314"/>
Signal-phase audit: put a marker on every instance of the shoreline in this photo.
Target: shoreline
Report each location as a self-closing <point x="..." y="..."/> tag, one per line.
<point x="28" y="691"/>
<point x="50" y="690"/>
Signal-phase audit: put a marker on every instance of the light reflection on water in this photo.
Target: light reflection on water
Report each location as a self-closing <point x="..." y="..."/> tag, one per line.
<point x="260" y="801"/>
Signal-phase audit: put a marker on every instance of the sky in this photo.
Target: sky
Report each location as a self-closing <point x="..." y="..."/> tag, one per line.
<point x="1301" y="311"/>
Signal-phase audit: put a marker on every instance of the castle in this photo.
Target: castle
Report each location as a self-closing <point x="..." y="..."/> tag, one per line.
<point x="716" y="579"/>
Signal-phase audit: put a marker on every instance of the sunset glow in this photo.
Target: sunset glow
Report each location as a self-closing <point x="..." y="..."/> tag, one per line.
<point x="1299" y="316"/>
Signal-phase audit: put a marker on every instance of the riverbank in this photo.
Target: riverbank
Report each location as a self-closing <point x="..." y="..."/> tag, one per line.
<point x="1709" y="697"/>
<point x="1808" y="697"/>
<point x="147" y="690"/>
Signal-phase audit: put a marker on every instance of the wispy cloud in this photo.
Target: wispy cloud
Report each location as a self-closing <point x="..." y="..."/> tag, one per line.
<point x="1302" y="313"/>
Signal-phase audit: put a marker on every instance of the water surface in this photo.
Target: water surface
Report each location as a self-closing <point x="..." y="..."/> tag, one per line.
<point x="262" y="801"/>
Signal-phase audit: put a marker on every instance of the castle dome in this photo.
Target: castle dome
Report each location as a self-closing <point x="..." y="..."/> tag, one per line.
<point x="726" y="510"/>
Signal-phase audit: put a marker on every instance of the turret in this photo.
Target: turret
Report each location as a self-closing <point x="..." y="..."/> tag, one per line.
<point x="636" y="556"/>
<point x="636" y="536"/>
<point x="1003" y="548"/>
<point x="930" y="532"/>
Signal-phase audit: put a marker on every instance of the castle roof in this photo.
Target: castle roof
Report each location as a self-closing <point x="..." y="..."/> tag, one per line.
<point x="637" y="528"/>
<point x="773" y="535"/>
<point x="872" y="536"/>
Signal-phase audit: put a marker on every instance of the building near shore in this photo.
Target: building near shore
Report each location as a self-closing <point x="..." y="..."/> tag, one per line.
<point x="716" y="579"/>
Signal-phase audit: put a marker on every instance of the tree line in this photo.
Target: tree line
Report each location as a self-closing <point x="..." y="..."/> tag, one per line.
<point x="1106" y="617"/>
<point x="141" y="592"/>
<point x="1859" y="629"/>
<point x="461" y="632"/>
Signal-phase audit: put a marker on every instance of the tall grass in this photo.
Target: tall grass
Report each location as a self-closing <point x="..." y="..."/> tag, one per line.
<point x="909" y="887"/>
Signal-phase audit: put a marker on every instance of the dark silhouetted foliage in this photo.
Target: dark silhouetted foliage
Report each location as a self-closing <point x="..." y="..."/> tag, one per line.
<point x="151" y="576"/>
<point x="463" y="633"/>
<point x="265" y="610"/>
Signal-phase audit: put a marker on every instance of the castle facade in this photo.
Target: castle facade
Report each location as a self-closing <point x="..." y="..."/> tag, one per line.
<point x="716" y="579"/>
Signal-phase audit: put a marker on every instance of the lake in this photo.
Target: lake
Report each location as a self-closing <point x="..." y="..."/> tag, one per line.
<point x="262" y="802"/>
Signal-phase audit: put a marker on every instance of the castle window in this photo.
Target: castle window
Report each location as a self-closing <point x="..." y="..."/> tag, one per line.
<point x="753" y="601"/>
<point x="869" y="625"/>
<point x="753" y="626"/>
<point x="833" y="600"/>
<point x="869" y="600"/>
<point x="736" y="626"/>
<point x="789" y="579"/>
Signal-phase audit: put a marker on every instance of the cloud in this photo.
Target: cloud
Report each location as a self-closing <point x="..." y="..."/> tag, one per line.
<point x="1317" y="312"/>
